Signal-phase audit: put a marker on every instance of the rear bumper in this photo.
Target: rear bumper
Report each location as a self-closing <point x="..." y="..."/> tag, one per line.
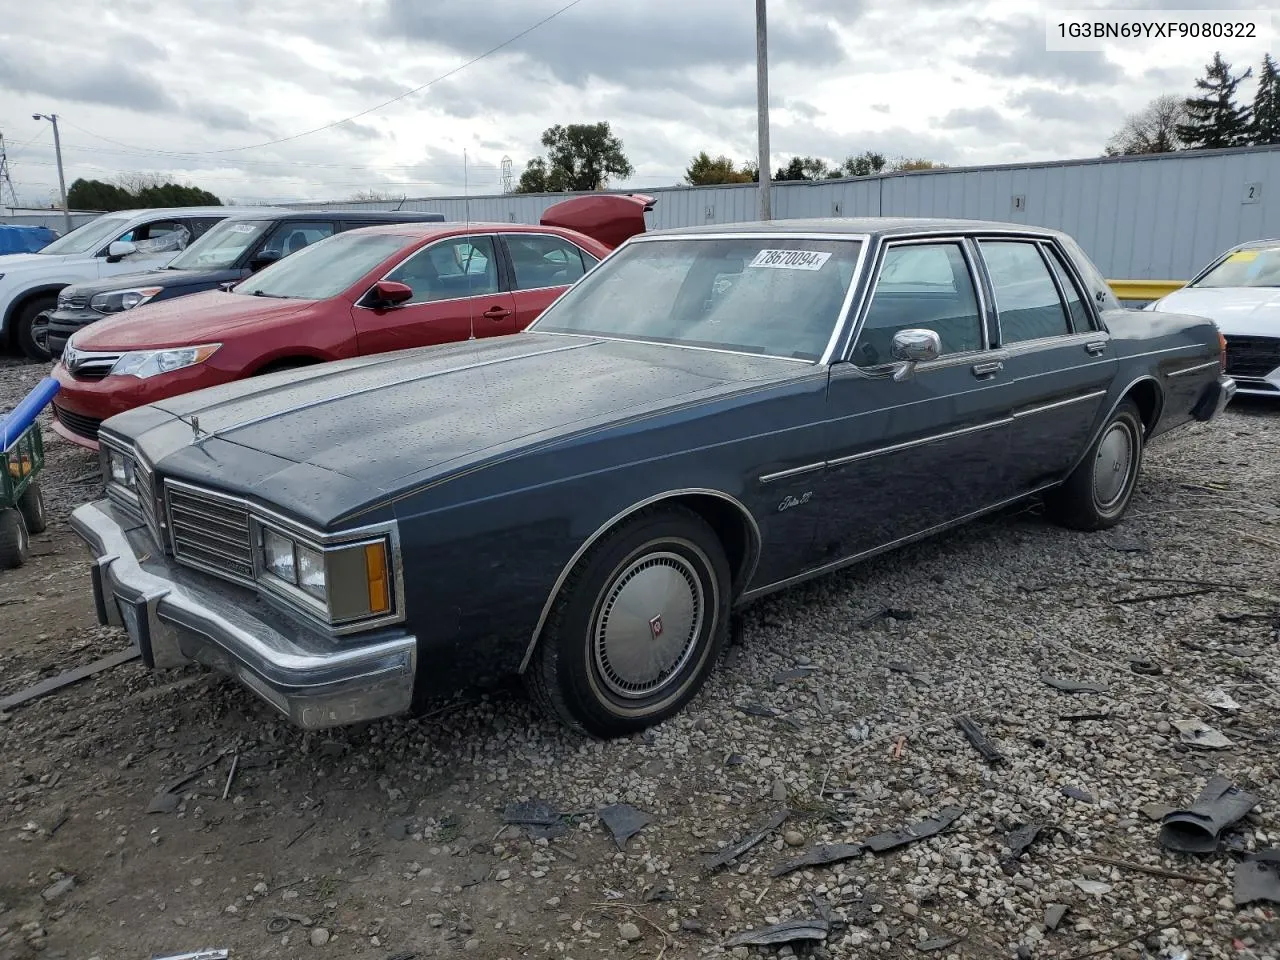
<point x="1215" y="398"/>
<point x="178" y="617"/>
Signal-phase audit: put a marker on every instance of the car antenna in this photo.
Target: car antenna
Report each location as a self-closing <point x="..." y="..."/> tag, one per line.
<point x="466" y="213"/>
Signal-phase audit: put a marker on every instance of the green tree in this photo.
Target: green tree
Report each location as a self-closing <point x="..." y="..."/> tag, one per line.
<point x="98" y="195"/>
<point x="703" y="171"/>
<point x="581" y="156"/>
<point x="1266" y="104"/>
<point x="151" y="192"/>
<point x="803" y="168"/>
<point x="1214" y="118"/>
<point x="866" y="164"/>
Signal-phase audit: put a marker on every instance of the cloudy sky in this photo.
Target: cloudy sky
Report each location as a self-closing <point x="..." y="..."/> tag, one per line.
<point x="199" y="89"/>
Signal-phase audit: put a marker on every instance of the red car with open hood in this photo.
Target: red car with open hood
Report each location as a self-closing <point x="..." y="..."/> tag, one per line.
<point x="364" y="291"/>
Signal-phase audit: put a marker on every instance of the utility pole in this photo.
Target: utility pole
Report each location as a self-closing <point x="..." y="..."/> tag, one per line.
<point x="5" y="181"/>
<point x="57" y="149"/>
<point x="762" y="108"/>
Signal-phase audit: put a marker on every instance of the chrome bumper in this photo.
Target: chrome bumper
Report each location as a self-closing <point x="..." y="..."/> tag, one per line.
<point x="1215" y="398"/>
<point x="179" y="617"/>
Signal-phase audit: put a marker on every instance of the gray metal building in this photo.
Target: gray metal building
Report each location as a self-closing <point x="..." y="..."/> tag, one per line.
<point x="1158" y="217"/>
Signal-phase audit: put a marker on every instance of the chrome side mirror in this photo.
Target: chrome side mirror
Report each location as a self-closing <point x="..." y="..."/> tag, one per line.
<point x="911" y="347"/>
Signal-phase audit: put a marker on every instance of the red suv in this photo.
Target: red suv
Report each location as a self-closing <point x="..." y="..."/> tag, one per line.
<point x="364" y="291"/>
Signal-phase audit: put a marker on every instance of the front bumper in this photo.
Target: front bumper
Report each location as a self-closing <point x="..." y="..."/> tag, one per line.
<point x="1215" y="398"/>
<point x="64" y="322"/>
<point x="179" y="617"/>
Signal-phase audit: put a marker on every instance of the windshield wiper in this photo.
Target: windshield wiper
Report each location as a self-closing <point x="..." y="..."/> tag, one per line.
<point x="273" y="296"/>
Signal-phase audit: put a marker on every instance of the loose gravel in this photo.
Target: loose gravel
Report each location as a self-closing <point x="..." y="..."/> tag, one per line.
<point x="389" y="839"/>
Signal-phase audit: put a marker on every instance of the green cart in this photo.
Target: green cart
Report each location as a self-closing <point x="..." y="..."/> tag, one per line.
<point x="22" y="510"/>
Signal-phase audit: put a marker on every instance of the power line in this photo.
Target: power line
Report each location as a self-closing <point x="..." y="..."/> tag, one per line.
<point x="362" y="113"/>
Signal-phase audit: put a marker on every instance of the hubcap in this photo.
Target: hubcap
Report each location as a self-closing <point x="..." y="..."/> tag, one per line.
<point x="648" y="624"/>
<point x="1112" y="467"/>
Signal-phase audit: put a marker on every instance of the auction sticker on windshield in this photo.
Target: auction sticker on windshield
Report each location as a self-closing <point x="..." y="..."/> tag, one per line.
<point x="790" y="259"/>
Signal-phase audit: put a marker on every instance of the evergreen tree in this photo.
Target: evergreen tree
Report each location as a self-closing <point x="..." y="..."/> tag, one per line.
<point x="1214" y="118"/>
<point x="1266" y="104"/>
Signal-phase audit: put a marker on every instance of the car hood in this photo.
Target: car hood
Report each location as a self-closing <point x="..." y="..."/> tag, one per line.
<point x="150" y="278"/>
<point x="1239" y="311"/>
<point x="19" y="261"/>
<point x="431" y="412"/>
<point x="200" y="318"/>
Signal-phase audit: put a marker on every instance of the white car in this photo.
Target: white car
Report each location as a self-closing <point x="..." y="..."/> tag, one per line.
<point x="1240" y="292"/>
<point x="126" y="241"/>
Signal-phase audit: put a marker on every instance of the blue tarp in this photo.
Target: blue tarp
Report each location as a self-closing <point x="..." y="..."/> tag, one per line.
<point x="16" y="239"/>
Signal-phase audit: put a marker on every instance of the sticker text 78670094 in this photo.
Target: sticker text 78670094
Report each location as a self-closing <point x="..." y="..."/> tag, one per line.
<point x="791" y="259"/>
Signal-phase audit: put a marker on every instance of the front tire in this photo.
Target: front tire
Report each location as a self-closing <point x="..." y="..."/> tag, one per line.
<point x="31" y="327"/>
<point x="1099" y="490"/>
<point x="636" y="628"/>
<point x="15" y="546"/>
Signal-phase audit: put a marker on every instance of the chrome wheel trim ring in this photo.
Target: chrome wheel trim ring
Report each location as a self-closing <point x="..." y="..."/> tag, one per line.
<point x="647" y="624"/>
<point x="1113" y="465"/>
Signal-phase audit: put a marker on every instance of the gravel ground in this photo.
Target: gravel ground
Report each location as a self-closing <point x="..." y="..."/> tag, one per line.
<point x="389" y="840"/>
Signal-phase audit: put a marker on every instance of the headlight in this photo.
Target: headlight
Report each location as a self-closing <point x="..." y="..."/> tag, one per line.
<point x="341" y="583"/>
<point x="150" y="363"/>
<point x="120" y="300"/>
<point x="120" y="470"/>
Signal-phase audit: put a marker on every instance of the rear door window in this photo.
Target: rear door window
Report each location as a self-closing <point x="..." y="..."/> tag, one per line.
<point x="545" y="261"/>
<point x="1027" y="299"/>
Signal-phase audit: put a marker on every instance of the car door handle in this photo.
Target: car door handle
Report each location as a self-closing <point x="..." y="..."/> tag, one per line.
<point x="497" y="313"/>
<point x="1096" y="347"/>
<point x="987" y="369"/>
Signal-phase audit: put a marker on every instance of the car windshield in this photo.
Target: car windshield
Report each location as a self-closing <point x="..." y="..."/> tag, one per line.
<point x="1253" y="267"/>
<point x="89" y="238"/>
<point x="325" y="268"/>
<point x="221" y="246"/>
<point x="780" y="296"/>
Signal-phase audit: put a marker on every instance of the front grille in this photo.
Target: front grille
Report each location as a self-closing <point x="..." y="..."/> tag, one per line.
<point x="77" y="423"/>
<point x="210" y="532"/>
<point x="1252" y="356"/>
<point x="147" y="501"/>
<point x="73" y="303"/>
<point x="93" y="367"/>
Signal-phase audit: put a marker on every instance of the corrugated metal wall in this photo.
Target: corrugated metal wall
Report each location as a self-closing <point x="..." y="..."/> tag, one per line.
<point x="51" y="219"/>
<point x="1140" y="218"/>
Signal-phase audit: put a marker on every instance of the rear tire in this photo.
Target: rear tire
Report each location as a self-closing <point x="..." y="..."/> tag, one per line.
<point x="31" y="327"/>
<point x="31" y="506"/>
<point x="1099" y="490"/>
<point x="15" y="545"/>
<point x="636" y="628"/>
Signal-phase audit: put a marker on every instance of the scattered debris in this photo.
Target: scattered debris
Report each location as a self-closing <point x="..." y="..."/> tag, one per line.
<point x="835" y="852"/>
<point x="1175" y="595"/>
<point x="1258" y="878"/>
<point x="1053" y="914"/>
<point x="300" y="834"/>
<point x="623" y="821"/>
<point x="1077" y="717"/>
<point x="1018" y="840"/>
<point x="1148" y="668"/>
<point x="1155" y="810"/>
<point x="735" y="850"/>
<point x="59" y="888"/>
<point x="798" y="673"/>
<point x="220" y="953"/>
<point x="937" y="943"/>
<point x="980" y="741"/>
<point x="790" y="931"/>
<point x="659" y="894"/>
<point x="164" y="802"/>
<point x="1196" y="829"/>
<point x="67" y="678"/>
<point x="1199" y="734"/>
<point x="1143" y="868"/>
<point x="231" y="774"/>
<point x="1241" y="616"/>
<point x="1095" y="887"/>
<point x="1074" y="686"/>
<point x="1075" y="793"/>
<point x="1219" y="699"/>
<point x="539" y="819"/>
<point x="888" y="613"/>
